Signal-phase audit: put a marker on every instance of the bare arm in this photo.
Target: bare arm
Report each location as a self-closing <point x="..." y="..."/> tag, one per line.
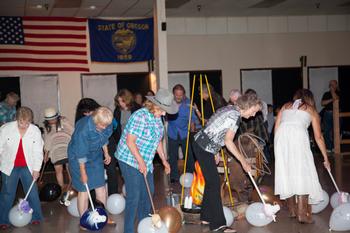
<point x="325" y="102"/>
<point x="230" y="134"/>
<point x="107" y="159"/>
<point x="278" y="119"/>
<point x="316" y="126"/>
<point x="163" y="157"/>
<point x="131" y="143"/>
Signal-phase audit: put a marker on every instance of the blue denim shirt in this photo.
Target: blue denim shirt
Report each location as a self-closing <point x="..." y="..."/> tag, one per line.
<point x="178" y="123"/>
<point x="86" y="143"/>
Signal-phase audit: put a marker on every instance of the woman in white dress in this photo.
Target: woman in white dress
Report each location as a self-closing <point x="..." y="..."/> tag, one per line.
<point x="296" y="179"/>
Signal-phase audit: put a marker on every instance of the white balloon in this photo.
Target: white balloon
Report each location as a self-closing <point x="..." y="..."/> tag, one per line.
<point x="228" y="216"/>
<point x="73" y="207"/>
<point x="146" y="226"/>
<point x="339" y="198"/>
<point x="186" y="179"/>
<point x="19" y="218"/>
<point x="124" y="190"/>
<point x="255" y="215"/>
<point x="115" y="203"/>
<point x="340" y="218"/>
<point x="317" y="208"/>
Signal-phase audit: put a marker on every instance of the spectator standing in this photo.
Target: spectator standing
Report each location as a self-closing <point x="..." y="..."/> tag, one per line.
<point x="178" y="131"/>
<point x="327" y="102"/>
<point x="8" y="108"/>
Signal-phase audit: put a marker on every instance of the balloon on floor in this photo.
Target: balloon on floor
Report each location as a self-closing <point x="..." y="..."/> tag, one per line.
<point x="186" y="179"/>
<point x="228" y="216"/>
<point x="171" y="218"/>
<point x="317" y="208"/>
<point x="94" y="220"/>
<point x="115" y="203"/>
<point x="340" y="218"/>
<point x="50" y="192"/>
<point x="73" y="207"/>
<point x="256" y="216"/>
<point x="19" y="218"/>
<point x="146" y="226"/>
<point x="339" y="198"/>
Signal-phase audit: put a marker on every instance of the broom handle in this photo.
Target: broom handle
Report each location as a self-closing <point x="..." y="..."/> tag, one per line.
<point x="256" y="187"/>
<point x="42" y="172"/>
<point x="30" y="189"/>
<point x="90" y="199"/>
<point x="335" y="184"/>
<point x="149" y="193"/>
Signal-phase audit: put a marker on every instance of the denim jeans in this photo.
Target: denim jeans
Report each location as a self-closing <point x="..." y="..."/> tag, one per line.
<point x="8" y="193"/>
<point x="173" y="152"/>
<point x="328" y="129"/>
<point x="137" y="200"/>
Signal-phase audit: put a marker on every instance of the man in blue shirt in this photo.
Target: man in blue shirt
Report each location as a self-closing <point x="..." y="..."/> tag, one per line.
<point x="177" y="132"/>
<point x="8" y="108"/>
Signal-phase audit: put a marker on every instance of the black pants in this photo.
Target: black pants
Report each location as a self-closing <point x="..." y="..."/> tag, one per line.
<point x="173" y="153"/>
<point x="112" y="176"/>
<point x="212" y="209"/>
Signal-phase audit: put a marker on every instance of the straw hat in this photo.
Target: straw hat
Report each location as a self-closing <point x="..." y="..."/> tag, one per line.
<point x="50" y="114"/>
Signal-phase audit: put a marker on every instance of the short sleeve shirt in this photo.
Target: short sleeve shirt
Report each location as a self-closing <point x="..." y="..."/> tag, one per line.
<point x="212" y="137"/>
<point x="148" y="130"/>
<point x="327" y="96"/>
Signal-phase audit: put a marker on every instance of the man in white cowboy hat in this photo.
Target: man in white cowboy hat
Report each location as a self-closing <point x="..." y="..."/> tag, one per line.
<point x="140" y="140"/>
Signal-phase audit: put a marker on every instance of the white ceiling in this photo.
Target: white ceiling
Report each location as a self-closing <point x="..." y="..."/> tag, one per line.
<point x="175" y="8"/>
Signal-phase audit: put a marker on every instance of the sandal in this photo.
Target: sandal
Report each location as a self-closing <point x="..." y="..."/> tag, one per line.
<point x="111" y="222"/>
<point x="225" y="229"/>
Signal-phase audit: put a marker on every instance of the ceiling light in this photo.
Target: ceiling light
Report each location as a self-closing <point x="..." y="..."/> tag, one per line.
<point x="92" y="7"/>
<point x="39" y="6"/>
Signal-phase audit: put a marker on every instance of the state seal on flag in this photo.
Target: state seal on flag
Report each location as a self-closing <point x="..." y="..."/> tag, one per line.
<point x="124" y="41"/>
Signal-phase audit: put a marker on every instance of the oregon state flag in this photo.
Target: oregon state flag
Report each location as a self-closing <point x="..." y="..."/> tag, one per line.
<point x="121" y="40"/>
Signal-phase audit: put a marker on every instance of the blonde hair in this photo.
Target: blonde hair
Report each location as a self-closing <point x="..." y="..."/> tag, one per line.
<point x="151" y="106"/>
<point x="102" y="115"/>
<point x="24" y="113"/>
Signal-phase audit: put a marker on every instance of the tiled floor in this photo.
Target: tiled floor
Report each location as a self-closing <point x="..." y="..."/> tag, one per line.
<point x="57" y="219"/>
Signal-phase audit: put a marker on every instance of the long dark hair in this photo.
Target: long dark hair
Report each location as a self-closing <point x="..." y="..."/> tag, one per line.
<point x="48" y="127"/>
<point x="84" y="106"/>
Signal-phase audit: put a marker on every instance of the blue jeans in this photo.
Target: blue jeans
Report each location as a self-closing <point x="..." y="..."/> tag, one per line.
<point x="137" y="200"/>
<point x="328" y="129"/>
<point x="8" y="193"/>
<point x="173" y="152"/>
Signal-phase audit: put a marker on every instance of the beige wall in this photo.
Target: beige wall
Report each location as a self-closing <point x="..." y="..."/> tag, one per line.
<point x="229" y="53"/>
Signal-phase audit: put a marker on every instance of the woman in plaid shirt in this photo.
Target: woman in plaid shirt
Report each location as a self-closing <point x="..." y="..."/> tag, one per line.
<point x="140" y="140"/>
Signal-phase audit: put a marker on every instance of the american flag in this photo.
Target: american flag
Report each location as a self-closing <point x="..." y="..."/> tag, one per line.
<point x="43" y="44"/>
